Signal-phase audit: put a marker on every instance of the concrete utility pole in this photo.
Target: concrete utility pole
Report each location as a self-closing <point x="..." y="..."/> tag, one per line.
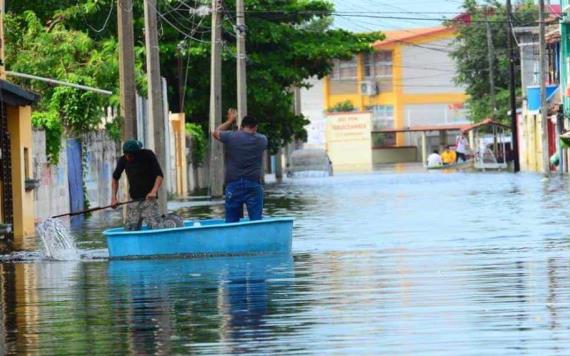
<point x="216" y="149"/>
<point x="491" y="59"/>
<point x="127" y="68"/>
<point x="2" y="55"/>
<point x="241" y="31"/>
<point x="543" y="103"/>
<point x="156" y="108"/>
<point x="512" y="90"/>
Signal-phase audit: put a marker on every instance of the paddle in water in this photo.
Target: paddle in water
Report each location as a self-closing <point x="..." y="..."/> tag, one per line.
<point x="57" y="242"/>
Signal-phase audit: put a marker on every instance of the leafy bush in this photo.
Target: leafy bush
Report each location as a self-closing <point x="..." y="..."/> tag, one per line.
<point x="199" y="142"/>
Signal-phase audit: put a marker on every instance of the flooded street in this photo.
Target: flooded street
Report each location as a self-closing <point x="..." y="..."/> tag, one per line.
<point x="392" y="262"/>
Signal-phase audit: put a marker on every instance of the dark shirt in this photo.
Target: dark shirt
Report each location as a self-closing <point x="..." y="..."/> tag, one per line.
<point x="141" y="172"/>
<point x="244" y="155"/>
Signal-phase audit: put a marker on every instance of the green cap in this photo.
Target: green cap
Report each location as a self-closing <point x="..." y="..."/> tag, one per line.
<point x="132" y="146"/>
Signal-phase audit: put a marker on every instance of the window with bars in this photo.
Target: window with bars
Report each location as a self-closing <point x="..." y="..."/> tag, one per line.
<point x="378" y="65"/>
<point x="344" y="69"/>
<point x="382" y="117"/>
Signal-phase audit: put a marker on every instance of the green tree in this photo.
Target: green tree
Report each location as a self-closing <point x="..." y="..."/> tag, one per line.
<point x="288" y="42"/>
<point x="52" y="50"/>
<point x="470" y="54"/>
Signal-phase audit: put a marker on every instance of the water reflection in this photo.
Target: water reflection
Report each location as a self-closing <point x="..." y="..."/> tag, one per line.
<point x="203" y="301"/>
<point x="384" y="263"/>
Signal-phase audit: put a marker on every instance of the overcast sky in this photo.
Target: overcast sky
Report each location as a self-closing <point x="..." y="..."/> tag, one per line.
<point x="427" y="9"/>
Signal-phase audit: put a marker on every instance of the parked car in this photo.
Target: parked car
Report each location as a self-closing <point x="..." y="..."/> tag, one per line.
<point x="309" y="162"/>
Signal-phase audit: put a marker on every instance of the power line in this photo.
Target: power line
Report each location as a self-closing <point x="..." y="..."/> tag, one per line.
<point x="106" y="20"/>
<point x="185" y="34"/>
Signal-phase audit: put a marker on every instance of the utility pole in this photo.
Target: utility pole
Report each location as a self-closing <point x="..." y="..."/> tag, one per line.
<point x="543" y="103"/>
<point x="514" y="127"/>
<point x="127" y="68"/>
<point x="156" y="108"/>
<point x="216" y="150"/>
<point x="491" y="59"/>
<point x="2" y="54"/>
<point x="241" y="31"/>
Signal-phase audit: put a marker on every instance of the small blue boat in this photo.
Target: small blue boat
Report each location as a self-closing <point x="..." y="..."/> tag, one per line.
<point x="206" y="237"/>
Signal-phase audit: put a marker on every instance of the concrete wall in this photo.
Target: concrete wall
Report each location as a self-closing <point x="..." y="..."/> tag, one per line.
<point x="52" y="196"/>
<point x="349" y="141"/>
<point x="394" y="155"/>
<point x="313" y="106"/>
<point x="100" y="155"/>
<point x="428" y="68"/>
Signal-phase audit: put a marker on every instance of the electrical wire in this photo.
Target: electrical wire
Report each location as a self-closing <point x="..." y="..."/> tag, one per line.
<point x="105" y="24"/>
<point x="185" y="34"/>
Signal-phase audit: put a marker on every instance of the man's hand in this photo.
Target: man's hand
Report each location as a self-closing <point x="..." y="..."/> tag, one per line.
<point x="151" y="196"/>
<point x="232" y="115"/>
<point x="114" y="203"/>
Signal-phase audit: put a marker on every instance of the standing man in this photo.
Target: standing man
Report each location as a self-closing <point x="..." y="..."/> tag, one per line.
<point x="243" y="158"/>
<point x="145" y="178"/>
<point x="461" y="147"/>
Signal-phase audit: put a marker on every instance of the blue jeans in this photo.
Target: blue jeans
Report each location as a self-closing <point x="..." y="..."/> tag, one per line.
<point x="242" y="192"/>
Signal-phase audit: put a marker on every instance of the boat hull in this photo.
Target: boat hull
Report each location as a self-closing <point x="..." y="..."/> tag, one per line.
<point x="211" y="237"/>
<point x="466" y="165"/>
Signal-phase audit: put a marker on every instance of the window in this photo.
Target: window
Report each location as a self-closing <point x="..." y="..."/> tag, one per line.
<point x="382" y="117"/>
<point x="378" y="65"/>
<point x="383" y="64"/>
<point x="369" y="65"/>
<point x="26" y="163"/>
<point x="344" y="69"/>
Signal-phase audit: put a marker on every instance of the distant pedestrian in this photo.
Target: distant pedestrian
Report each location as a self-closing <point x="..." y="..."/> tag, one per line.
<point x="243" y="160"/>
<point x="461" y="147"/>
<point x="145" y="178"/>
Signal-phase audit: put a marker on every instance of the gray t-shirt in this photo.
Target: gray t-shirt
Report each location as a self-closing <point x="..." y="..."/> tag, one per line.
<point x="244" y="155"/>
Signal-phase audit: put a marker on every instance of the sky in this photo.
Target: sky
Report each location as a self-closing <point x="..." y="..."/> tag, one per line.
<point x="394" y="8"/>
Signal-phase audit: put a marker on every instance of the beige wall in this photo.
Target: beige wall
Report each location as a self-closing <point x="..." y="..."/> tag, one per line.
<point x="20" y="128"/>
<point x="530" y="152"/>
<point x="178" y="154"/>
<point x="349" y="141"/>
<point x="394" y="155"/>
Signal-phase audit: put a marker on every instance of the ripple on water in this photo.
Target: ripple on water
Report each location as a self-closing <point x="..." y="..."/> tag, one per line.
<point x="412" y="263"/>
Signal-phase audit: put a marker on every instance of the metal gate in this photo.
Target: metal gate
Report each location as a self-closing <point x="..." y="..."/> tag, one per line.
<point x="75" y="179"/>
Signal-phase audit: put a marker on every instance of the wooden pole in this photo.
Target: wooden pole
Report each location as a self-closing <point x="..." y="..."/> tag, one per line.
<point x="216" y="150"/>
<point x="156" y="108"/>
<point x="241" y="31"/>
<point x="127" y="68"/>
<point x="424" y="149"/>
<point x="512" y="90"/>
<point x="543" y="103"/>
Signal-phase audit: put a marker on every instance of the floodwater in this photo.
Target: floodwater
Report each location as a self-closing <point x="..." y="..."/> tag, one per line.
<point x="392" y="262"/>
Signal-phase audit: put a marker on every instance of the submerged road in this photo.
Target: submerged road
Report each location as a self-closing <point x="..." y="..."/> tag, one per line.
<point x="391" y="262"/>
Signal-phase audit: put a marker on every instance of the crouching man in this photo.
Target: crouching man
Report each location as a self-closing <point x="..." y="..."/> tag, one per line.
<point x="145" y="178"/>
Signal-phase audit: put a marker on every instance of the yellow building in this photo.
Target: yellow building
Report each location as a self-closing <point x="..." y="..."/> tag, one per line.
<point x="16" y="181"/>
<point x="406" y="82"/>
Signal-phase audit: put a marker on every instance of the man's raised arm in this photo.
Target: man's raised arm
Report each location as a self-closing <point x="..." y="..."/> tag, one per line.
<point x="232" y="116"/>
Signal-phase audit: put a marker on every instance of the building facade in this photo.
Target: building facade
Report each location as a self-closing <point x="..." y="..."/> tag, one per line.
<point x="407" y="81"/>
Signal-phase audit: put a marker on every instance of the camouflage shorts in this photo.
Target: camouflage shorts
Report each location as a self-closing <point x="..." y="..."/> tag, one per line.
<point x="146" y="211"/>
